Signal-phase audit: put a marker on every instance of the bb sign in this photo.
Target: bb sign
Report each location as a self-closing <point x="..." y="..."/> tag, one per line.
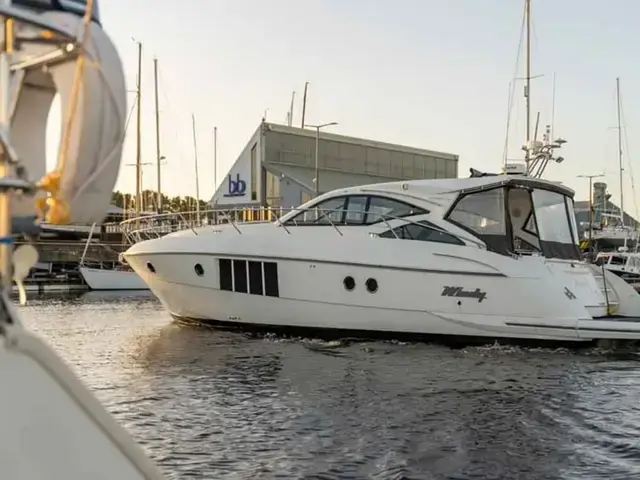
<point x="237" y="187"/>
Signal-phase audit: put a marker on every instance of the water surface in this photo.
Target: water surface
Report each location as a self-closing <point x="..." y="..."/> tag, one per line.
<point x="210" y="404"/>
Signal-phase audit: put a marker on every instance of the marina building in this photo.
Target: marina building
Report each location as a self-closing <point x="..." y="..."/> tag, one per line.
<point x="277" y="167"/>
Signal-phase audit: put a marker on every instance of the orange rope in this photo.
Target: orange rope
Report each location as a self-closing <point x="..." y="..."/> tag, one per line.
<point x="58" y="209"/>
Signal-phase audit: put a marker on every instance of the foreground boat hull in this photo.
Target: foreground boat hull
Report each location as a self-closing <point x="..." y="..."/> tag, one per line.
<point x="103" y="279"/>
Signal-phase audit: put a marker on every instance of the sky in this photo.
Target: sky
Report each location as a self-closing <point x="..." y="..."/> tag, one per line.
<point x="427" y="73"/>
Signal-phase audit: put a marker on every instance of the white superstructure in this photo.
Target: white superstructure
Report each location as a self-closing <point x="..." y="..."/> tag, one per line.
<point x="489" y="256"/>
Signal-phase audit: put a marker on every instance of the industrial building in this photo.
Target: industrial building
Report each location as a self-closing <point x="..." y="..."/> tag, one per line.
<point x="277" y="167"/>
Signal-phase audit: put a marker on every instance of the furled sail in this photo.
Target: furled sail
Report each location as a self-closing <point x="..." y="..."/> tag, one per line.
<point x="93" y="106"/>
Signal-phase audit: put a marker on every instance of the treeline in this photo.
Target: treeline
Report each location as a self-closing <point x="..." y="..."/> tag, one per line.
<point x="149" y="201"/>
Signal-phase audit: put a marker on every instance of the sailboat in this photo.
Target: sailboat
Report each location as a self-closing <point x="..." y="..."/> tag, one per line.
<point x="625" y="260"/>
<point x="53" y="427"/>
<point x="119" y="276"/>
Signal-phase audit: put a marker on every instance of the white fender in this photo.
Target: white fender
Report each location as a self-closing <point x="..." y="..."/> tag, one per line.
<point x="92" y="162"/>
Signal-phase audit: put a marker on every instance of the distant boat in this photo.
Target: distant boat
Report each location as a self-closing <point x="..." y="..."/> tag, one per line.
<point x="112" y="279"/>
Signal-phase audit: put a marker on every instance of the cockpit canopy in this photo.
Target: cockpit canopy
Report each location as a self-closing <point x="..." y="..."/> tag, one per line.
<point x="517" y="218"/>
<point x="509" y="215"/>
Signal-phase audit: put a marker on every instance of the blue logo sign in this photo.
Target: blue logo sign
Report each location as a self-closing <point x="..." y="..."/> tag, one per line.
<point x="236" y="188"/>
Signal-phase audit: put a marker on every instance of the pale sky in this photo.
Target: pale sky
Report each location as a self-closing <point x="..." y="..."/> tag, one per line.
<point x="428" y="73"/>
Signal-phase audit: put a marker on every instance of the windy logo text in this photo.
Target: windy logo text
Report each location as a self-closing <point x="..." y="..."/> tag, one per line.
<point x="237" y="187"/>
<point x="462" y="293"/>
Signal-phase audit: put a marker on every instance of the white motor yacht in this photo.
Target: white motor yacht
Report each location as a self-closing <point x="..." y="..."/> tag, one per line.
<point x="623" y="263"/>
<point x="488" y="257"/>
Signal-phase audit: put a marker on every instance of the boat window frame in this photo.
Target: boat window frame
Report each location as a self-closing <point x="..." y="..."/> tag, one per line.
<point x="546" y="245"/>
<point x="427" y="225"/>
<point x="507" y="247"/>
<point x="343" y="223"/>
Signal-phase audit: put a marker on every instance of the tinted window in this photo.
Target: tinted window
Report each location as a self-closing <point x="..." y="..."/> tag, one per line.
<point x="359" y="210"/>
<point x="324" y="213"/>
<point x="482" y="212"/>
<point x="356" y="209"/>
<point x="380" y="207"/>
<point x="617" y="260"/>
<point x="422" y="231"/>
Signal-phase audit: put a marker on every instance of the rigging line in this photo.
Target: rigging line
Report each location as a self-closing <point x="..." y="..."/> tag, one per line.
<point x="177" y="138"/>
<point x="133" y="107"/>
<point x="513" y="87"/>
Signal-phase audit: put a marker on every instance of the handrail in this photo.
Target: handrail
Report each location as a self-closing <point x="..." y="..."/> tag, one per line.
<point x="158" y="227"/>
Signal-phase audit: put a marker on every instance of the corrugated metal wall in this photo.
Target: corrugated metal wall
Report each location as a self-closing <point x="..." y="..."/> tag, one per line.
<point x="386" y="164"/>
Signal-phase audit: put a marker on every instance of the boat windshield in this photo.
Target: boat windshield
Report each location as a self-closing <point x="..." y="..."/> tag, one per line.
<point x="556" y="222"/>
<point x="522" y="220"/>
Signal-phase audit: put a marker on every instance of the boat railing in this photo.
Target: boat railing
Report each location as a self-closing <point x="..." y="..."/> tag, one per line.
<point x="148" y="227"/>
<point x="238" y="218"/>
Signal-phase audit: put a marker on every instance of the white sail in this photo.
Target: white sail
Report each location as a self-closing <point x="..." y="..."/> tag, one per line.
<point x="90" y="160"/>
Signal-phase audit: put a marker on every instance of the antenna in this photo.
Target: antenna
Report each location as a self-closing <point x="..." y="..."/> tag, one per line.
<point x="304" y="103"/>
<point x="293" y="98"/>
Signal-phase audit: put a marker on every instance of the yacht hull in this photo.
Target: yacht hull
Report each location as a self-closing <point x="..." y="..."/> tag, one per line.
<point x="547" y="304"/>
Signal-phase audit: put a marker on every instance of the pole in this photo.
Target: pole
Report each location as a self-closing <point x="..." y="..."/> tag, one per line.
<point x="620" y="157"/>
<point x="195" y="152"/>
<point x="304" y="103"/>
<point x="158" y="157"/>
<point x="317" y="186"/>
<point x="590" y="212"/>
<point x="553" y="106"/>
<point x="293" y="98"/>
<point x="591" y="209"/>
<point x="215" y="161"/>
<point x="5" y="167"/>
<point x="138" y="137"/>
<point x="527" y="91"/>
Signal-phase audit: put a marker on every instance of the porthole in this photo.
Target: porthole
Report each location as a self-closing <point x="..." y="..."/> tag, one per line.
<point x="372" y="285"/>
<point x="199" y="270"/>
<point x="349" y="283"/>
<point x="150" y="267"/>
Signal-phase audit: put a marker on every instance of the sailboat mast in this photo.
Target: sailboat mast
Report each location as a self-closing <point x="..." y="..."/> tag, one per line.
<point x="158" y="157"/>
<point x="138" y="135"/>
<point x="620" y="152"/>
<point x="215" y="160"/>
<point x="527" y="88"/>
<point x="195" y="152"/>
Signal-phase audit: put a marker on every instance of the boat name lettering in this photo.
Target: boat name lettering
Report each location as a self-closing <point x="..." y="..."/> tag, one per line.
<point x="462" y="293"/>
<point x="569" y="293"/>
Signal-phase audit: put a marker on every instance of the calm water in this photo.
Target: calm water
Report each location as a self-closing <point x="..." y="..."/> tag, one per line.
<point x="207" y="404"/>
